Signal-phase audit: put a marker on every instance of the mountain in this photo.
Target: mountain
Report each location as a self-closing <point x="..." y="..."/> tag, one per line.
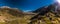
<point x="11" y="11"/>
<point x="46" y="15"/>
<point x="44" y="10"/>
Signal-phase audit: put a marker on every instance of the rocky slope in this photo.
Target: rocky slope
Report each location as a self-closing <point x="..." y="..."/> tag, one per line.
<point x="46" y="15"/>
<point x="49" y="18"/>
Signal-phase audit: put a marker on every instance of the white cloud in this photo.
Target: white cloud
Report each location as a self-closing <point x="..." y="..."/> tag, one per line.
<point x="5" y="7"/>
<point x="27" y="10"/>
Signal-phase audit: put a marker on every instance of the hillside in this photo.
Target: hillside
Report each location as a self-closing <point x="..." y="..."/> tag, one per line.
<point x="49" y="18"/>
<point x="46" y="15"/>
<point x="14" y="16"/>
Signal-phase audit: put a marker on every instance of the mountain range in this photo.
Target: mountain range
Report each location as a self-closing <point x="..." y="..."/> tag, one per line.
<point x="44" y="15"/>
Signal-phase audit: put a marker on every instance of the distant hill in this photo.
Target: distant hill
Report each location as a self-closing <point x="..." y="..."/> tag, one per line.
<point x="11" y="11"/>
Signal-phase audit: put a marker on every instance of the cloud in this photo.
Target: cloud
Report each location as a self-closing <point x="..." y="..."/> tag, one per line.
<point x="27" y="10"/>
<point x="5" y="7"/>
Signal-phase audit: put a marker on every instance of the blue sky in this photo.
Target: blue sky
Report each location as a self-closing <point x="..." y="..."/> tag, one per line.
<point x="26" y="5"/>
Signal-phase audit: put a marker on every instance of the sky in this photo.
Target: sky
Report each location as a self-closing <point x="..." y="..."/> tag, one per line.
<point x="26" y="5"/>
